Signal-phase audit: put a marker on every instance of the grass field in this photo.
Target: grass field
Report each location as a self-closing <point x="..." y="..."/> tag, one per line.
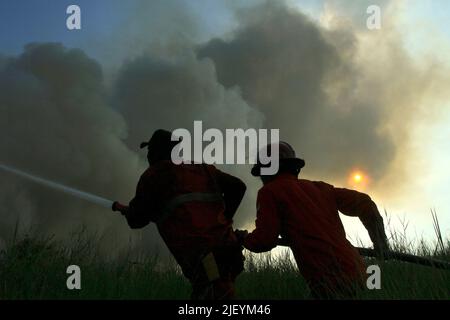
<point x="33" y="268"/>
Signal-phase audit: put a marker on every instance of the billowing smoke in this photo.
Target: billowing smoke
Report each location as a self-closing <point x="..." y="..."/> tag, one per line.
<point x="339" y="104"/>
<point x="173" y="91"/>
<point x="59" y="125"/>
<point x="306" y="81"/>
<point x="55" y="123"/>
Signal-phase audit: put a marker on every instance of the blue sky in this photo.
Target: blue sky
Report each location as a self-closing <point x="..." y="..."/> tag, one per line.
<point x="23" y="21"/>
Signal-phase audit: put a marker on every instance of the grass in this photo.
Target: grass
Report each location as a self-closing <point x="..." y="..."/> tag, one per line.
<point x="35" y="268"/>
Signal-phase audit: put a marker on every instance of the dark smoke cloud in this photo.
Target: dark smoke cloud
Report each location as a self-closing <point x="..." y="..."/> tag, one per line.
<point x="295" y="73"/>
<point x="55" y="123"/>
<point x="155" y="91"/>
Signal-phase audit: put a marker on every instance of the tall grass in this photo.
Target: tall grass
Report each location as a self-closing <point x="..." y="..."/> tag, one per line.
<point x="35" y="268"/>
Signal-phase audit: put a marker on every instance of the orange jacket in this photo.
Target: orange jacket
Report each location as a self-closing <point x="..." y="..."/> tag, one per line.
<point x="305" y="213"/>
<point x="192" y="206"/>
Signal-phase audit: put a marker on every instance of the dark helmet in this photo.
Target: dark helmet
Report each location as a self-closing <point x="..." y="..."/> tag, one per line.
<point x="160" y="145"/>
<point x="287" y="158"/>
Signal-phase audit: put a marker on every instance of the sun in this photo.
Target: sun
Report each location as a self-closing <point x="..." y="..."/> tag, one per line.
<point x="358" y="179"/>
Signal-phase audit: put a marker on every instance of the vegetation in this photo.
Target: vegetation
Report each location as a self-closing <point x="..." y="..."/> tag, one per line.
<point x="35" y="268"/>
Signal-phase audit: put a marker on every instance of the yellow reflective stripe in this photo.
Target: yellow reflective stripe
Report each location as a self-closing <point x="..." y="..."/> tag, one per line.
<point x="188" y="197"/>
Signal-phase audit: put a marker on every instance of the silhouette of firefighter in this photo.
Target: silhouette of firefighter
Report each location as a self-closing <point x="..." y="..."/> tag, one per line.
<point x="193" y="207"/>
<point x="305" y="214"/>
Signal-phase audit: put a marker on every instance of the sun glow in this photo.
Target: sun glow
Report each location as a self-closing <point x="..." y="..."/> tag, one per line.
<point x="358" y="179"/>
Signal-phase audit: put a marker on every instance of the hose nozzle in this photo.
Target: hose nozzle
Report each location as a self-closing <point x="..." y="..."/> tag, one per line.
<point x="117" y="206"/>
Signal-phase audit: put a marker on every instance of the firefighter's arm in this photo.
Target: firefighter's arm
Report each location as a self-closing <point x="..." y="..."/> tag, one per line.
<point x="233" y="190"/>
<point x="357" y="204"/>
<point x="265" y="236"/>
<point x="137" y="212"/>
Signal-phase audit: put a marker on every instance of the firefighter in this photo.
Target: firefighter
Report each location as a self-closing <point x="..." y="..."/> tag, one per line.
<point x="192" y="206"/>
<point x="305" y="214"/>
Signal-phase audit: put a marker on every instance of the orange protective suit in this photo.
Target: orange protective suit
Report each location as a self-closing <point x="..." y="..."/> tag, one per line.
<point x="193" y="206"/>
<point x="305" y="214"/>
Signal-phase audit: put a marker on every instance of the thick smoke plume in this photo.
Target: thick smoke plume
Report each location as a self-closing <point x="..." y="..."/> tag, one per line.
<point x="55" y="124"/>
<point x="339" y="104"/>
<point x="58" y="125"/>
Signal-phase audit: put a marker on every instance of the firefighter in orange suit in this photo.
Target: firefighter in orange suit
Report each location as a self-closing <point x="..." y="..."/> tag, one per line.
<point x="193" y="207"/>
<point x="305" y="214"/>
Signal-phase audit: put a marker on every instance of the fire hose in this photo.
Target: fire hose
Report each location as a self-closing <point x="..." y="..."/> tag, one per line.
<point x="392" y="255"/>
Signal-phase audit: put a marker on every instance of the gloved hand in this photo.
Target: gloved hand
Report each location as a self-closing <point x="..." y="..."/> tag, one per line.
<point x="375" y="226"/>
<point x="379" y="240"/>
<point x="241" y="235"/>
<point x="117" y="206"/>
<point x="381" y="247"/>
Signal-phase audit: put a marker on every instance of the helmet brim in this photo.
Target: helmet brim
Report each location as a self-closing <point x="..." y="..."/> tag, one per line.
<point x="293" y="162"/>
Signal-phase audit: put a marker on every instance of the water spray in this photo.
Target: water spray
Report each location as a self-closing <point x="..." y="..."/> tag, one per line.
<point x="60" y="187"/>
